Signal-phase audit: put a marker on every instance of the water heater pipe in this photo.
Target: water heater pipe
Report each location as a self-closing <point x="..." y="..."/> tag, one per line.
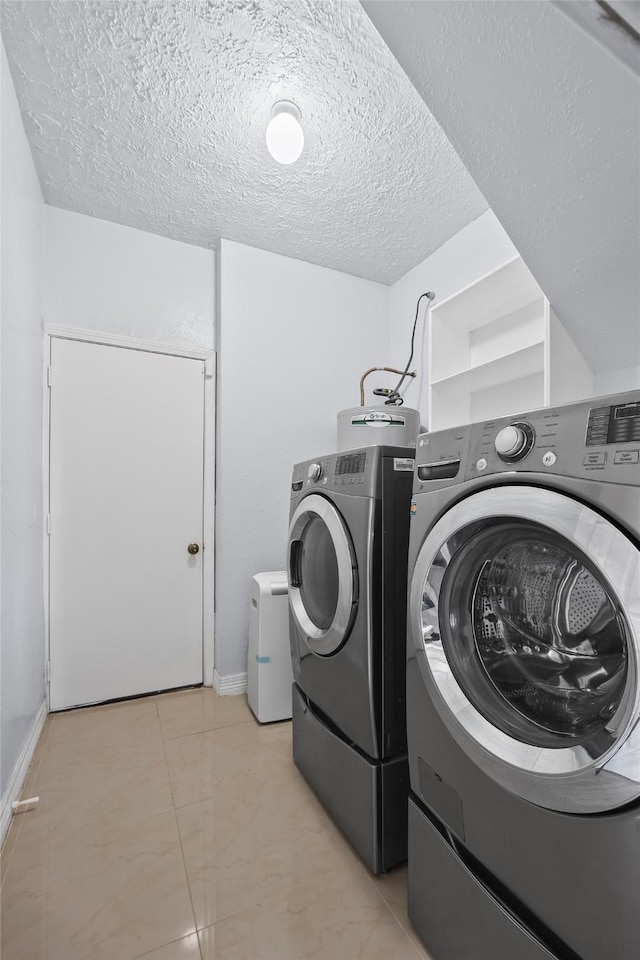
<point x="372" y="370"/>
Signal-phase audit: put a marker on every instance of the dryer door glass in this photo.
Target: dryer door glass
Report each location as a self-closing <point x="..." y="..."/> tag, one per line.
<point x="318" y="573"/>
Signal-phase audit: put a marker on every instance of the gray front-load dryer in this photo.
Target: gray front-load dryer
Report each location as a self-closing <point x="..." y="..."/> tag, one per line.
<point x="347" y="564"/>
<point x="523" y="686"/>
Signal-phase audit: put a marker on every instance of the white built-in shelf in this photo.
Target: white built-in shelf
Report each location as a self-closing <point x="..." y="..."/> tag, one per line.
<point x="528" y="360"/>
<point x="496" y="348"/>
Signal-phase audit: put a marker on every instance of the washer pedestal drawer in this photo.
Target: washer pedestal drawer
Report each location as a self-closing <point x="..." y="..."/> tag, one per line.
<point x="454" y="913"/>
<point x="366" y="798"/>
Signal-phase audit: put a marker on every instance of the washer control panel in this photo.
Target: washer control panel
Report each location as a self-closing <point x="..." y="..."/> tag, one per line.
<point x="513" y="442"/>
<point x="596" y="440"/>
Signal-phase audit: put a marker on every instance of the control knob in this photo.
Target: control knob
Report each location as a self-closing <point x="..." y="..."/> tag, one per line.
<point x="314" y="471"/>
<point x="514" y="442"/>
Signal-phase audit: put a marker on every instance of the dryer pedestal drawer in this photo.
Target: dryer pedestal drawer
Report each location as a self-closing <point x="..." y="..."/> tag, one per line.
<point x="455" y="914"/>
<point x="367" y="799"/>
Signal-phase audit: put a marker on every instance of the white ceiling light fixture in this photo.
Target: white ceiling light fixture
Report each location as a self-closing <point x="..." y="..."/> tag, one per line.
<point x="285" y="137"/>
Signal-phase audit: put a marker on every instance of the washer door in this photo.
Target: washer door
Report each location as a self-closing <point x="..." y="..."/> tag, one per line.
<point x="525" y="618"/>
<point x="323" y="579"/>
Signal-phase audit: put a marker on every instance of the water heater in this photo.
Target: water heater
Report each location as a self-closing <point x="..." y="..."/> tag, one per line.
<point x="373" y="426"/>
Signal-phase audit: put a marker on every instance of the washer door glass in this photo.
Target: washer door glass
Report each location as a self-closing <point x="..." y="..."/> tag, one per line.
<point x="538" y="644"/>
<point x="527" y="636"/>
<point x="323" y="581"/>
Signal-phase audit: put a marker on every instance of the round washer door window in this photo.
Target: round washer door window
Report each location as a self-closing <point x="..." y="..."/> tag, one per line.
<point x="323" y="584"/>
<point x="526" y="623"/>
<point x="538" y="643"/>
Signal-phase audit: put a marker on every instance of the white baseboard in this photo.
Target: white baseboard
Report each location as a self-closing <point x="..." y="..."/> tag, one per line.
<point x="230" y="685"/>
<point x="20" y="770"/>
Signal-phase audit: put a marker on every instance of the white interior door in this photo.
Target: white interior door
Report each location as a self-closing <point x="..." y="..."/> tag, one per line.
<point x="126" y="501"/>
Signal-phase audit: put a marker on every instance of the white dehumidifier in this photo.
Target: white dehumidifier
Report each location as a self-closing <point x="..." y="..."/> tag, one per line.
<point x="269" y="673"/>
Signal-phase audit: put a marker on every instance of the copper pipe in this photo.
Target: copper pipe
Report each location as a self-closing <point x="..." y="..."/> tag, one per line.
<point x="372" y="370"/>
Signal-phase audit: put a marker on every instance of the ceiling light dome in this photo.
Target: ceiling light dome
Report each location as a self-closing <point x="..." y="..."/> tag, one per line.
<point x="285" y="137"/>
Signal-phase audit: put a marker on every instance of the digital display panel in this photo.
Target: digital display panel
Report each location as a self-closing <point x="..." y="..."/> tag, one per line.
<point x="350" y="463"/>
<point x="628" y="410"/>
<point x="617" y="424"/>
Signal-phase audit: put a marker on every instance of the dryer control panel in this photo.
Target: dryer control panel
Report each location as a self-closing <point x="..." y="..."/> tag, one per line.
<point x="354" y="472"/>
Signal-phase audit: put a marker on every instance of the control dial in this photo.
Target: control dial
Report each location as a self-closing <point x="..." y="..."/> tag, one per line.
<point x="314" y="471"/>
<point x="512" y="443"/>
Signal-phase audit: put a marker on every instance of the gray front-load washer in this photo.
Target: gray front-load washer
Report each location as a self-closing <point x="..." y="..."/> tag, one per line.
<point x="523" y="686"/>
<point x="347" y="560"/>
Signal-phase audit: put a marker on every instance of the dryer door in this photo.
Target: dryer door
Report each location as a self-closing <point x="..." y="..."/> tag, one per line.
<point x="525" y="618"/>
<point x="323" y="580"/>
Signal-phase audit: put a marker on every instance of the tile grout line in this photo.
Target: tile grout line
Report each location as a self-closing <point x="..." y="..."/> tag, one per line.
<point x="226" y="726"/>
<point x="196" y="733"/>
<point x="422" y="951"/>
<point x="143" y="956"/>
<point x="411" y="936"/>
<point x="406" y="929"/>
<point x="402" y="916"/>
<point x="175" y="815"/>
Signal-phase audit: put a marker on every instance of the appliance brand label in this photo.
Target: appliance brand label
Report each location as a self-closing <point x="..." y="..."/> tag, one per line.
<point x="378" y="419"/>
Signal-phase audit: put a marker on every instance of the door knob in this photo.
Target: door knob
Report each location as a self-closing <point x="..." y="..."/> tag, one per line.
<point x="193" y="548"/>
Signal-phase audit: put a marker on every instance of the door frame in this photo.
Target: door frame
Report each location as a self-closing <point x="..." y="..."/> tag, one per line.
<point x="209" y="357"/>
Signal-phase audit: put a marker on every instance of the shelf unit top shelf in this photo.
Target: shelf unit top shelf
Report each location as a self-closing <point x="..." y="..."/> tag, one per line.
<point x="500" y="292"/>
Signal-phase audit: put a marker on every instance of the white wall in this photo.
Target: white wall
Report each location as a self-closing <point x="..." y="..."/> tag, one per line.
<point x="545" y="118"/>
<point x="107" y="278"/>
<point x="467" y="256"/>
<point x="294" y="341"/>
<point x="22" y="643"/>
<point x="616" y="381"/>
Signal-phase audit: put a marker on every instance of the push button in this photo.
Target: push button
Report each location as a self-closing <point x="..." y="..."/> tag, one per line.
<point x="549" y="458"/>
<point x="594" y="459"/>
<point x="627" y="456"/>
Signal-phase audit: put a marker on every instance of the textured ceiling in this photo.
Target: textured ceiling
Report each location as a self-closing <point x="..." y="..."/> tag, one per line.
<point x="546" y="116"/>
<point x="152" y="114"/>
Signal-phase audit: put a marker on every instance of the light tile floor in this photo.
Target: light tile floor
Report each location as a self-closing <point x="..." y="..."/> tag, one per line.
<point x="177" y="828"/>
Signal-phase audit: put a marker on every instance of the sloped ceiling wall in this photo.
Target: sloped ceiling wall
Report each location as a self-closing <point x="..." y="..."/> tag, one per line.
<point x="547" y="121"/>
